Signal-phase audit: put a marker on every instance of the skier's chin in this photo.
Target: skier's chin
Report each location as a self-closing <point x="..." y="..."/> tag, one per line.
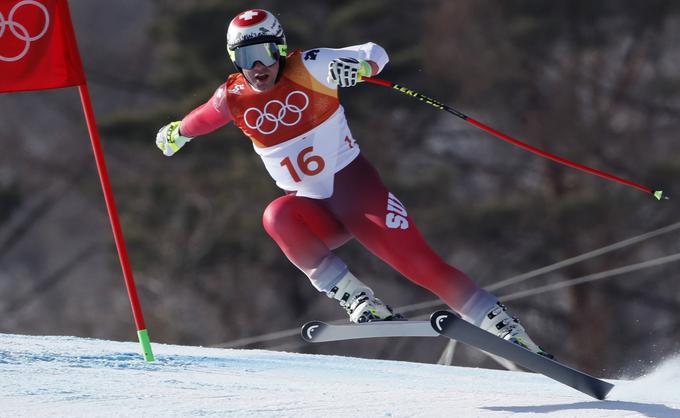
<point x="262" y="82"/>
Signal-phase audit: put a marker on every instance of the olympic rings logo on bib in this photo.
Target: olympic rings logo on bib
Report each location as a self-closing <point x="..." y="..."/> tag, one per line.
<point x="20" y="31"/>
<point x="276" y="112"/>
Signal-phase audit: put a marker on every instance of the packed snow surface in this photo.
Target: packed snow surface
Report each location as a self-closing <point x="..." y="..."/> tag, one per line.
<point x="77" y="377"/>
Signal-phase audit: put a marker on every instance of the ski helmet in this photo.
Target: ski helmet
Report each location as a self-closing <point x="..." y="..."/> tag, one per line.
<point x="255" y="27"/>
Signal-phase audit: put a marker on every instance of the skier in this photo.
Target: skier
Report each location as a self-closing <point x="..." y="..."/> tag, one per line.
<point x="287" y="104"/>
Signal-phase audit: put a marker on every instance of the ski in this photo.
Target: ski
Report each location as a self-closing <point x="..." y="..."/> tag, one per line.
<point x="317" y="331"/>
<point x="450" y="325"/>
<point x="453" y="326"/>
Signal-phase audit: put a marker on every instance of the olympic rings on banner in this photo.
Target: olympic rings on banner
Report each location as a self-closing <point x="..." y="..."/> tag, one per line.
<point x="20" y="31"/>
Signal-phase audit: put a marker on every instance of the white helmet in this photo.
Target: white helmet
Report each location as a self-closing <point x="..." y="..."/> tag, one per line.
<point x="255" y="27"/>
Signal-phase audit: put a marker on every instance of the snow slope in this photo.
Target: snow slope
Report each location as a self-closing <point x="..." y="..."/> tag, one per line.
<point x="76" y="377"/>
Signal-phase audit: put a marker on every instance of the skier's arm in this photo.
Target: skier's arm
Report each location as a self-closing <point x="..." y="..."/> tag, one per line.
<point x="347" y="64"/>
<point x="206" y="118"/>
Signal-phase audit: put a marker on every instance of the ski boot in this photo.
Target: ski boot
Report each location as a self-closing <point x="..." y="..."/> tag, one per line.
<point x="498" y="322"/>
<point x="360" y="303"/>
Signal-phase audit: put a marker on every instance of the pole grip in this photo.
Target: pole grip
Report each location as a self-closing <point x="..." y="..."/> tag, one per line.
<point x="378" y="81"/>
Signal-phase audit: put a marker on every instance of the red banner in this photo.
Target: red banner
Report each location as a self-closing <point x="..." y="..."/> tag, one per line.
<point x="38" y="49"/>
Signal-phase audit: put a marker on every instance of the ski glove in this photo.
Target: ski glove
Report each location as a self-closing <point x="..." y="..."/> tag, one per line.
<point x="169" y="140"/>
<point x="346" y="72"/>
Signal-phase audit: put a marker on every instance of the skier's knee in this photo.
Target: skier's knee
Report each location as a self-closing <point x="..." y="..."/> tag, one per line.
<point x="277" y="212"/>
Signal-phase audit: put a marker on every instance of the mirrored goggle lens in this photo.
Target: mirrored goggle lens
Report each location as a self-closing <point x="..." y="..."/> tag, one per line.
<point x="247" y="56"/>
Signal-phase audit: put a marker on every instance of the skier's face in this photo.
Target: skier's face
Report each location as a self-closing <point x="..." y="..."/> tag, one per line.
<point x="261" y="77"/>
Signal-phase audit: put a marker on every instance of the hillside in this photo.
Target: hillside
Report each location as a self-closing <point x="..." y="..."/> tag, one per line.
<point x="76" y="377"/>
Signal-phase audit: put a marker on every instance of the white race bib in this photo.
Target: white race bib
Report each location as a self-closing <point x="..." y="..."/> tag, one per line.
<point x="307" y="164"/>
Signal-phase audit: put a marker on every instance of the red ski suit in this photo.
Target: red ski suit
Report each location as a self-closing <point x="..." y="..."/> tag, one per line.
<point x="333" y="193"/>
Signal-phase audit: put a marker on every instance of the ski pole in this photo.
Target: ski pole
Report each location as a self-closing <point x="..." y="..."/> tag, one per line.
<point x="658" y="194"/>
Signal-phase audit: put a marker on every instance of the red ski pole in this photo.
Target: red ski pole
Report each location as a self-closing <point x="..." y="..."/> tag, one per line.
<point x="438" y="105"/>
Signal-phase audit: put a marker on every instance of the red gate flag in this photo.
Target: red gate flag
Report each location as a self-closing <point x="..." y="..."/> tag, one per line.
<point x="38" y="49"/>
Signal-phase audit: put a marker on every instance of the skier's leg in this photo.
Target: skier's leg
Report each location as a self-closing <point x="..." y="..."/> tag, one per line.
<point x="307" y="232"/>
<point x="377" y="219"/>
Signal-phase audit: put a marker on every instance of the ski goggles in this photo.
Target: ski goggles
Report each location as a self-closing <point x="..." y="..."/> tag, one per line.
<point x="246" y="56"/>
